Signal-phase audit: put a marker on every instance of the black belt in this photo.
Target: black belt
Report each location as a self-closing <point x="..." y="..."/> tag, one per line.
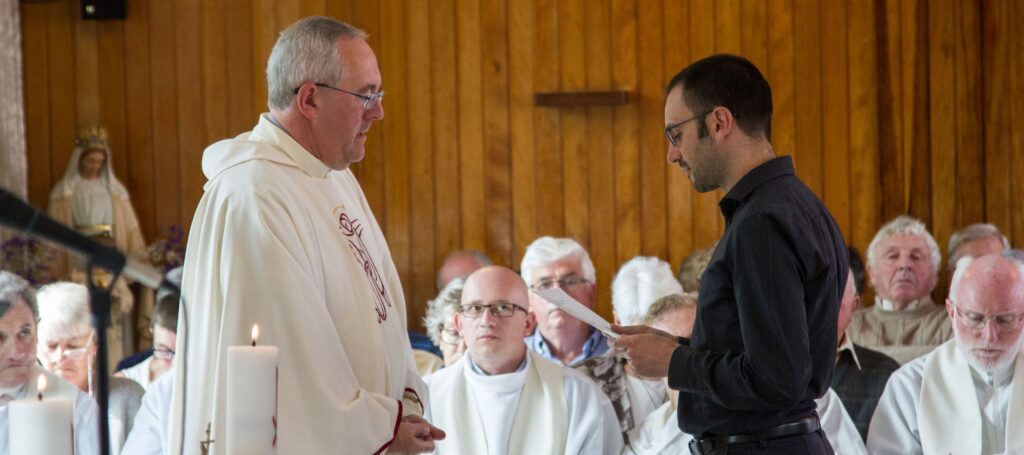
<point x="801" y="427"/>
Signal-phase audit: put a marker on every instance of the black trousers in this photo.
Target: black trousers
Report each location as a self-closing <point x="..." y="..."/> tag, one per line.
<point x="815" y="443"/>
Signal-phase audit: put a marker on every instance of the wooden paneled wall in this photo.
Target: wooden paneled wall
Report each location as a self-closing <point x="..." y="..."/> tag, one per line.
<point x="888" y="107"/>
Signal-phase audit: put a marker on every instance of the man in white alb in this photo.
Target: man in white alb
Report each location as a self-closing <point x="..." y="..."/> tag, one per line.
<point x="961" y="398"/>
<point x="501" y="398"/>
<point x="284" y="238"/>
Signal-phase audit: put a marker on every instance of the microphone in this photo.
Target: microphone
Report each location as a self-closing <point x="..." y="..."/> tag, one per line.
<point x="21" y="216"/>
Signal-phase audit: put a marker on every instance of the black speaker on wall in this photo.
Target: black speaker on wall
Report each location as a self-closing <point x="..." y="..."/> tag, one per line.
<point x="103" y="9"/>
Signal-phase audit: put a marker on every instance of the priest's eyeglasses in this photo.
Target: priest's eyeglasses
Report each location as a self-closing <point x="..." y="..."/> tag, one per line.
<point x="975" y="320"/>
<point x="564" y="283"/>
<point x="69" y="350"/>
<point x="368" y="100"/>
<point x="498" y="310"/>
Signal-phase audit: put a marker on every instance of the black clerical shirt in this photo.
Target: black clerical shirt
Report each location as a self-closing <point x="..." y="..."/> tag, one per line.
<point x="764" y="342"/>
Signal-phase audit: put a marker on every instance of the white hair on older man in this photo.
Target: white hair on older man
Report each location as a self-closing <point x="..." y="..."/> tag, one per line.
<point x="639" y="283"/>
<point x="976" y="231"/>
<point x="546" y="250"/>
<point x="63" y="311"/>
<point x="905" y="225"/>
<point x="307" y="51"/>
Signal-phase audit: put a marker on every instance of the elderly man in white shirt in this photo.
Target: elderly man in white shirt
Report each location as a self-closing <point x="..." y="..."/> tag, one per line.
<point x="903" y="266"/>
<point x="501" y="398"/>
<point x="928" y="407"/>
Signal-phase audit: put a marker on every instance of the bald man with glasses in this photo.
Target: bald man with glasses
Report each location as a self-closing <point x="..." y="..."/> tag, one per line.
<point x="502" y="398"/>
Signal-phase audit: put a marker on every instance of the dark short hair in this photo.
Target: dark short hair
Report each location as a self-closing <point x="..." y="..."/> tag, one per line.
<point x="857" y="267"/>
<point x="165" y="313"/>
<point x="730" y="81"/>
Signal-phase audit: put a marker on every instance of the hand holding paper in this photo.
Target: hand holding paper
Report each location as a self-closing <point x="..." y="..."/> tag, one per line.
<point x="566" y="303"/>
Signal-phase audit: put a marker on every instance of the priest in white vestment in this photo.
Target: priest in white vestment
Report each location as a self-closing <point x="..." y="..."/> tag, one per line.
<point x="283" y="237"/>
<point x="963" y="397"/>
<point x="19" y="371"/>
<point x="501" y="398"/>
<point x="903" y="267"/>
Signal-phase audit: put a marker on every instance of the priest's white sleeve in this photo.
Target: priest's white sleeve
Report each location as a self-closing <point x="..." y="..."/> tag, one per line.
<point x="257" y="258"/>
<point x="593" y="425"/>
<point x="894" y="428"/>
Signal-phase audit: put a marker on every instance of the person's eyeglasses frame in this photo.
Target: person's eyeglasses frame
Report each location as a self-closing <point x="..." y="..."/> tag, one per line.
<point x="1011" y="321"/>
<point x="672" y="127"/>
<point x="368" y="100"/>
<point x="61" y="353"/>
<point x="565" y="282"/>
<point x="467" y="310"/>
<point x="163" y="354"/>
<point x="447" y="335"/>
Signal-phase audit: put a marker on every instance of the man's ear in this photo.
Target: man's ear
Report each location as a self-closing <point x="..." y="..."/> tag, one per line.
<point x="722" y="122"/>
<point x="531" y="323"/>
<point x="458" y="322"/>
<point x="305" y="102"/>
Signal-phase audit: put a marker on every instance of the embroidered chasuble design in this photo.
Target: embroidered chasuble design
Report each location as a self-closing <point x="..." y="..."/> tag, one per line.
<point x="949" y="413"/>
<point x="353" y="232"/>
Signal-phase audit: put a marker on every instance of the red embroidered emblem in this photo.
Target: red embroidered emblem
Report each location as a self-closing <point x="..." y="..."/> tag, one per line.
<point x="354" y="232"/>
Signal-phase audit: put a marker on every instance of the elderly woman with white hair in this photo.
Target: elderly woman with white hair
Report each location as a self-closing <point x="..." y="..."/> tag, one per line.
<point x="67" y="347"/>
<point x="440" y="321"/>
<point x="639" y="283"/>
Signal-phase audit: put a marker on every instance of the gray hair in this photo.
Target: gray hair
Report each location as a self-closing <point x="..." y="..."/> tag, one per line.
<point x="443" y="308"/>
<point x="976" y="231"/>
<point x="668" y="304"/>
<point x="306" y="51"/>
<point x="63" y="311"/>
<point x="15" y="289"/>
<point x="546" y="250"/>
<point x="638" y="284"/>
<point x="904" y="225"/>
<point x="693" y="267"/>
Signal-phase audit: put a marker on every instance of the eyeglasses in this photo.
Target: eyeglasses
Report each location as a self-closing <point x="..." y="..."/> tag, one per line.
<point x="451" y="336"/>
<point x="499" y="310"/>
<point x="60" y="350"/>
<point x="567" y="282"/>
<point x="668" y="129"/>
<point x="163" y="354"/>
<point x="368" y="100"/>
<point x="975" y="320"/>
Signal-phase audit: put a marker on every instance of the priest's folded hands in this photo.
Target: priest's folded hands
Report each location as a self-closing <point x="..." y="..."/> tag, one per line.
<point x="649" y="350"/>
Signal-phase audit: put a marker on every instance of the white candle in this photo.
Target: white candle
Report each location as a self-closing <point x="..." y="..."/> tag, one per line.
<point x="252" y="399"/>
<point x="40" y="426"/>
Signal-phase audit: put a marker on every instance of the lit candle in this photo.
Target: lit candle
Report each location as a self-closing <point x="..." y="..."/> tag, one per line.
<point x="252" y="399"/>
<point x="40" y="426"/>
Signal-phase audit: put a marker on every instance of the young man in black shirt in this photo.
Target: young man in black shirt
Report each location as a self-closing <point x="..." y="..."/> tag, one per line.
<point x="763" y="347"/>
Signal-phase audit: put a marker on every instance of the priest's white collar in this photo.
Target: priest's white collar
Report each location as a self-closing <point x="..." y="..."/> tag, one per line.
<point x="496" y="382"/>
<point x="1000" y="376"/>
<point x="271" y="132"/>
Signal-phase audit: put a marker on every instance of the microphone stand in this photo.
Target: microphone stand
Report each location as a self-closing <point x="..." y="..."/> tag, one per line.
<point x="100" y="305"/>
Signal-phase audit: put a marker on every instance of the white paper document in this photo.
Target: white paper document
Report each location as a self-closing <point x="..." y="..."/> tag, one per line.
<point x="566" y="303"/>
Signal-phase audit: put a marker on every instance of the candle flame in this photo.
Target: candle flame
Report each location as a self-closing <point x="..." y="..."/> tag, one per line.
<point x="41" y="383"/>
<point x="255" y="333"/>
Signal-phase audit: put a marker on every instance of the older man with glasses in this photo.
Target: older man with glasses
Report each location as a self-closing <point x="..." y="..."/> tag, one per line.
<point x="67" y="348"/>
<point x="561" y="262"/>
<point x="19" y="370"/>
<point x="962" y="397"/>
<point x="500" y="397"/>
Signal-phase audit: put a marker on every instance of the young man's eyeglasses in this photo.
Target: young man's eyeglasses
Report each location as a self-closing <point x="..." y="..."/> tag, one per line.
<point x="499" y="310"/>
<point x="975" y="320"/>
<point x="564" y="283"/>
<point x="669" y="130"/>
<point x="368" y="100"/>
<point x="163" y="353"/>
